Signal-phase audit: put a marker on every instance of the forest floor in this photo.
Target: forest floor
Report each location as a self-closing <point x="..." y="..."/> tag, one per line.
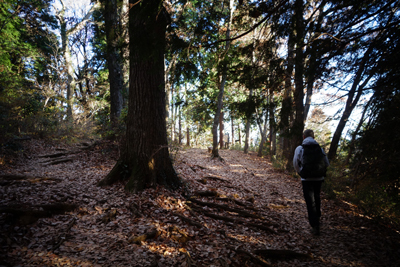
<point x="236" y="212"/>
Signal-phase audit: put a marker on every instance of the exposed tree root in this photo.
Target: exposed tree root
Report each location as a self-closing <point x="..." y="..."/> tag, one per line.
<point x="62" y="157"/>
<point x="235" y="220"/>
<point x="63" y="236"/>
<point x="31" y="214"/>
<point x="221" y="197"/>
<point x="57" y="155"/>
<point x="58" y="161"/>
<point x="117" y="173"/>
<point x="109" y="216"/>
<point x="241" y="212"/>
<point x="215" y="178"/>
<point x="188" y="220"/>
<point x="134" y="208"/>
<point x="178" y="234"/>
<point x="207" y="194"/>
<point x="151" y="234"/>
<point x="255" y="259"/>
<point x="281" y="254"/>
<point x="8" y="179"/>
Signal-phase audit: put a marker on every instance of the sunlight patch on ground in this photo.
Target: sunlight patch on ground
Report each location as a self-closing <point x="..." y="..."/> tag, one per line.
<point x="215" y="168"/>
<point x="236" y="165"/>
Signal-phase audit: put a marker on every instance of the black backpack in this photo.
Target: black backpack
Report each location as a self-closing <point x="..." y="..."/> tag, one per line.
<point x="313" y="162"/>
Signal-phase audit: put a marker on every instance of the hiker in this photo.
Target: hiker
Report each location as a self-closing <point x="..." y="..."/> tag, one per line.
<point x="310" y="161"/>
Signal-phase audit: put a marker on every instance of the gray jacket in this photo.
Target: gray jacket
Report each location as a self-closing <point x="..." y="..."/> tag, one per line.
<point x="298" y="155"/>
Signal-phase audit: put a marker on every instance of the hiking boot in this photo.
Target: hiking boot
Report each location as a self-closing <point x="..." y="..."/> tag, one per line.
<point x="315" y="230"/>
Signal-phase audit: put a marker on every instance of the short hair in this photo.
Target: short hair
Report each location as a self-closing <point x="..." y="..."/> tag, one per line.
<point x="308" y="133"/>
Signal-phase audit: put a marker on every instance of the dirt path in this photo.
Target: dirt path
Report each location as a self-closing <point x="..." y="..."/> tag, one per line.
<point x="229" y="213"/>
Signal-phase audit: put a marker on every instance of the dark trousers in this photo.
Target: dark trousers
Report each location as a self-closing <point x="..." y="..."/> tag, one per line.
<point x="312" y="192"/>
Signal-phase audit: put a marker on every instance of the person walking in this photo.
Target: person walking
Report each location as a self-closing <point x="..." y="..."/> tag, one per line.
<point x="310" y="162"/>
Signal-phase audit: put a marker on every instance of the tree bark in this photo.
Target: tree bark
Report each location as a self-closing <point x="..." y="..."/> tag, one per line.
<point x="187" y="136"/>
<point x="221" y="131"/>
<point x="247" y="129"/>
<point x="232" y="130"/>
<point x="272" y="124"/>
<point x="114" y="58"/>
<point x="298" y="124"/>
<point x="286" y="109"/>
<point x="145" y="156"/>
<point x="215" y="153"/>
<point x="263" y="135"/>
<point x="351" y="102"/>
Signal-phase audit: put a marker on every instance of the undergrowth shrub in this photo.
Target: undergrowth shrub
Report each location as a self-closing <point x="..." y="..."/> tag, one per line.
<point x="378" y="199"/>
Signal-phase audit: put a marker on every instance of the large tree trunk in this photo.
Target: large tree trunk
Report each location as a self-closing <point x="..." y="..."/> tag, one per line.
<point x="146" y="154"/>
<point x="114" y="58"/>
<point x="286" y="109"/>
<point x="68" y="64"/>
<point x="215" y="152"/>
<point x="298" y="124"/>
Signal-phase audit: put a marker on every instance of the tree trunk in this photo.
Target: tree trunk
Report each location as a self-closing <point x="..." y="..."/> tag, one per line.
<point x="272" y="124"/>
<point x="298" y="124"/>
<point x="60" y="15"/>
<point x="215" y="153"/>
<point x="352" y="100"/>
<point x="354" y="135"/>
<point x="263" y="136"/>
<point x="240" y="136"/>
<point x="286" y="109"/>
<point x="114" y="58"/>
<point x="180" y="125"/>
<point x="221" y="131"/>
<point x="247" y="129"/>
<point x="145" y="156"/>
<point x="312" y="67"/>
<point x="232" y="130"/>
<point x="68" y="65"/>
<point x="187" y="136"/>
<point x="123" y="29"/>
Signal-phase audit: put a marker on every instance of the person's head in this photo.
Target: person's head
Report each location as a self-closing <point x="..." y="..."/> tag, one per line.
<point x="308" y="133"/>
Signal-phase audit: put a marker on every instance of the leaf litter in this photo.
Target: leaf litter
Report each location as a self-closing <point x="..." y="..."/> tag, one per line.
<point x="236" y="212"/>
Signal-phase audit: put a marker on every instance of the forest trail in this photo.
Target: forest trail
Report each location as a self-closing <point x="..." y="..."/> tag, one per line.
<point x="236" y="212"/>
